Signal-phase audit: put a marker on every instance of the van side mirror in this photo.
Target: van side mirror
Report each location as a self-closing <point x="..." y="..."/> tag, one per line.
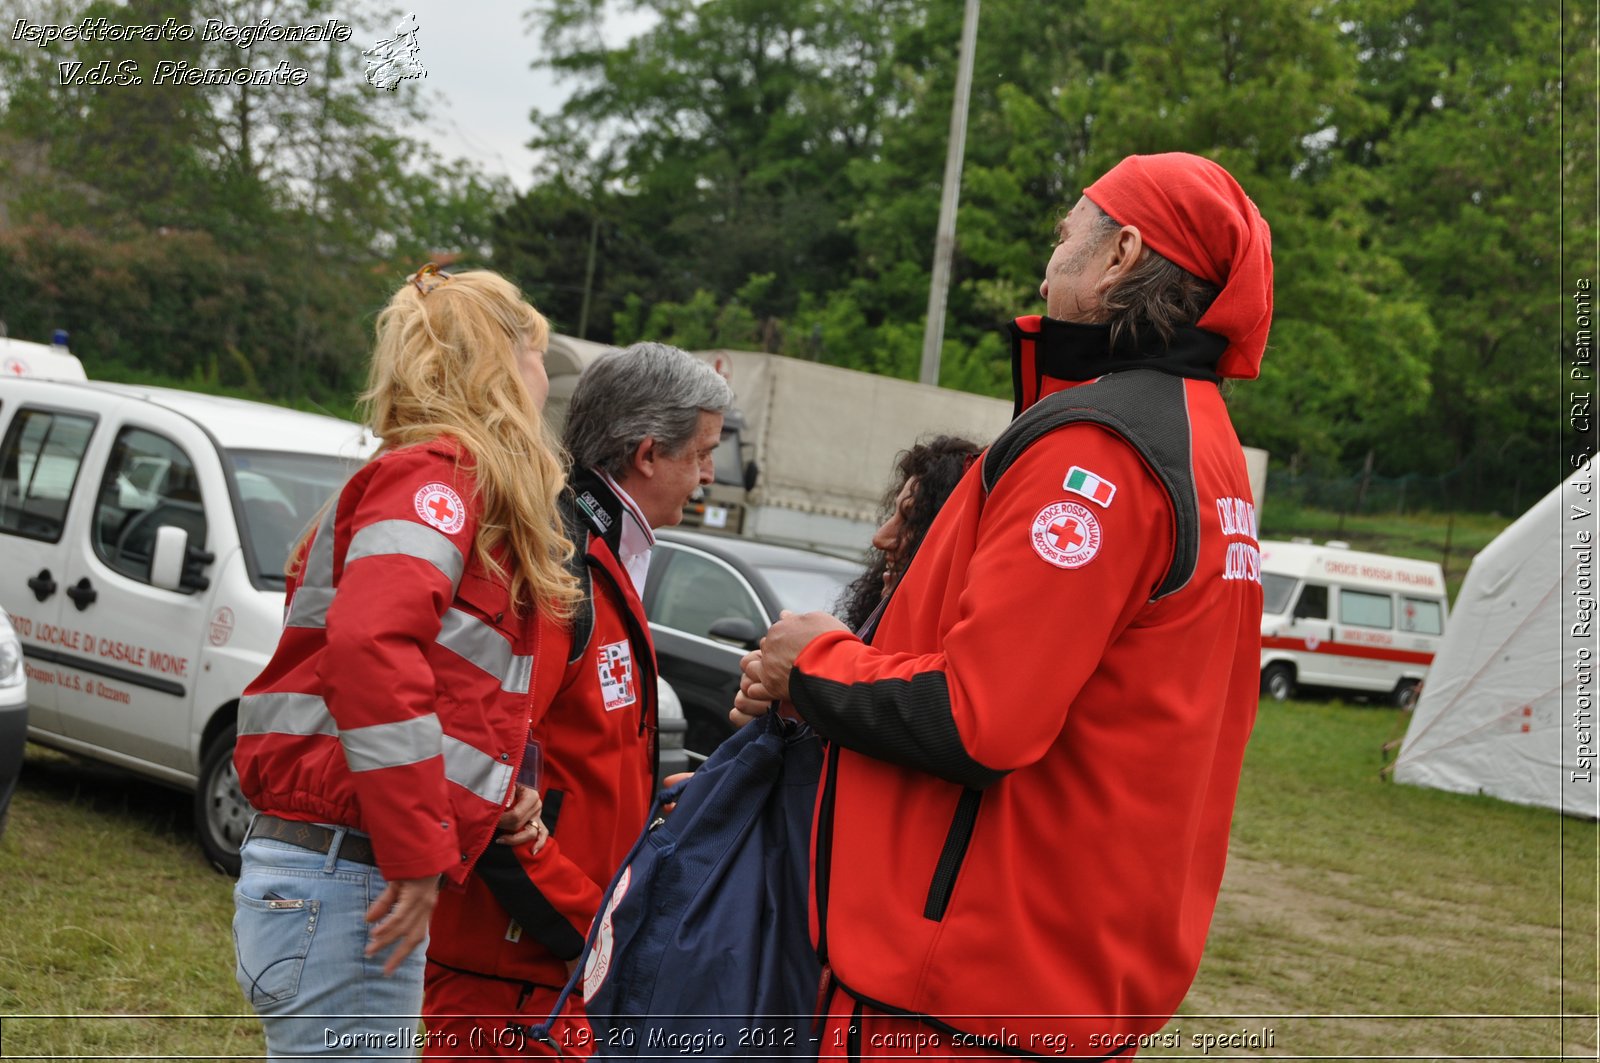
<point x="736" y="631"/>
<point x="166" y="559"/>
<point x="752" y="473"/>
<point x="174" y="564"/>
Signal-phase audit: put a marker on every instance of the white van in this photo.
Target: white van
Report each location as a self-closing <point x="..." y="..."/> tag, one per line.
<point x="53" y="362"/>
<point x="143" y="534"/>
<point x="1336" y="617"/>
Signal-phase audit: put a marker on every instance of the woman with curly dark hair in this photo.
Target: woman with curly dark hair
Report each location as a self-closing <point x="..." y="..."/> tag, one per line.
<point x="925" y="476"/>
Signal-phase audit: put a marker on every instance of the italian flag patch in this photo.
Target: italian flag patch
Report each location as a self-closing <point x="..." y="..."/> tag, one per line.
<point x="1083" y="482"/>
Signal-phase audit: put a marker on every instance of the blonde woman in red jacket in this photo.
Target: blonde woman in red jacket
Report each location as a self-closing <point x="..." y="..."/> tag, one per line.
<point x="425" y="631"/>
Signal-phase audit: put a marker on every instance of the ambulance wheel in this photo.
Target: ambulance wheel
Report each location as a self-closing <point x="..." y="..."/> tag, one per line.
<point x="1406" y="693"/>
<point x="221" y="814"/>
<point x="1277" y="681"/>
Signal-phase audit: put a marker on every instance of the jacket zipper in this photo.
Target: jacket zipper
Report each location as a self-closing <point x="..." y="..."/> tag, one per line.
<point x="823" y="856"/>
<point x="953" y="854"/>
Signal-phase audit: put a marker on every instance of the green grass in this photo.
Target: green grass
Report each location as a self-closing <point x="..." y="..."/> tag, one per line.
<point x="1388" y="906"/>
<point x="112" y="910"/>
<point x="1355" y="913"/>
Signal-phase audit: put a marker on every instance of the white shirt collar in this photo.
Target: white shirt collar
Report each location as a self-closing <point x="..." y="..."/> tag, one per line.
<point x="636" y="540"/>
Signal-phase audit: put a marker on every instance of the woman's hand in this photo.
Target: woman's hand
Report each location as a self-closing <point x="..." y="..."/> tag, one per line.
<point x="521" y="823"/>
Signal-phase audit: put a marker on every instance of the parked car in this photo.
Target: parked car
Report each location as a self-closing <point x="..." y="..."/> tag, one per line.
<point x="670" y="730"/>
<point x="13" y="714"/>
<point x="710" y="598"/>
<point x="143" y="535"/>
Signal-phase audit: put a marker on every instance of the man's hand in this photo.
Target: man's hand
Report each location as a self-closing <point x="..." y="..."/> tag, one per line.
<point x="784" y="642"/>
<point x="666" y="784"/>
<point x="751" y="701"/>
<point x="402" y="912"/>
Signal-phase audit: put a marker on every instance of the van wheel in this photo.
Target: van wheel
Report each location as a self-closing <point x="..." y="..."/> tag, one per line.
<point x="1277" y="681"/>
<point x="1406" y="693"/>
<point x="221" y="814"/>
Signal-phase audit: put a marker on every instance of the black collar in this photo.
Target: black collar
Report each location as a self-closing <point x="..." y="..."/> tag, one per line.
<point x="1065" y="350"/>
<point x="597" y="507"/>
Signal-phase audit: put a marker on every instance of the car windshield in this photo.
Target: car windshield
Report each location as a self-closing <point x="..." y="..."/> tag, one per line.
<point x="804" y="590"/>
<point x="280" y="493"/>
<point x="1276" y="590"/>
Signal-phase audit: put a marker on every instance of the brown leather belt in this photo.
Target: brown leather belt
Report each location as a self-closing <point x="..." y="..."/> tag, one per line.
<point x="355" y="847"/>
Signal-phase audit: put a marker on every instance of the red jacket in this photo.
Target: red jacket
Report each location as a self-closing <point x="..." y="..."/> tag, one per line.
<point x="1034" y="762"/>
<point x="399" y="697"/>
<point x="521" y="917"/>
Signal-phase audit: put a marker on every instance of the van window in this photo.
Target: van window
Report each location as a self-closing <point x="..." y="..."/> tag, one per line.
<point x="1275" y="592"/>
<point x="280" y="495"/>
<point x="1313" y="603"/>
<point x="1363" y="609"/>
<point x="39" y="463"/>
<point x="1421" y="616"/>
<point x="149" y="482"/>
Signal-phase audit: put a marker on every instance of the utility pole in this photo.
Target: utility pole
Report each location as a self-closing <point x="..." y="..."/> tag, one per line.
<point x="588" y="278"/>
<point x="944" y="244"/>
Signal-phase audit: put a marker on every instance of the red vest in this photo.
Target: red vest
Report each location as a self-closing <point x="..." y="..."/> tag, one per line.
<point x="1034" y="763"/>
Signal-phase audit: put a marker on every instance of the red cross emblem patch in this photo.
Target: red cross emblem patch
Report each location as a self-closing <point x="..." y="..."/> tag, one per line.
<point x="1066" y="534"/>
<point x="441" y="507"/>
<point x="616" y="675"/>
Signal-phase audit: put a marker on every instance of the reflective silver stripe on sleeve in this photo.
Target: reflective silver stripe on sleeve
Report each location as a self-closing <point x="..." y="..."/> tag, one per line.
<point x="476" y="771"/>
<point x="292" y="714"/>
<point x="391" y="745"/>
<point x="410" y="539"/>
<point x="486" y="648"/>
<point x="309" y="608"/>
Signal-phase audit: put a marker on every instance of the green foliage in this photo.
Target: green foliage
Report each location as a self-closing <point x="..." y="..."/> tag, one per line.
<point x="228" y="235"/>
<point x="1406" y="153"/>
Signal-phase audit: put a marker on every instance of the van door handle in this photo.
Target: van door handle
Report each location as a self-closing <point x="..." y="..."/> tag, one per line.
<point x="82" y="594"/>
<point x="42" y="585"/>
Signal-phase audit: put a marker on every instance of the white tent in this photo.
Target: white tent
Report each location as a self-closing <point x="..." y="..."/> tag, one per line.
<point x="1496" y="713"/>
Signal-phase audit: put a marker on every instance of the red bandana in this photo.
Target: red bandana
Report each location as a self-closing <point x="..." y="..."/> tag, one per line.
<point x="1193" y="212"/>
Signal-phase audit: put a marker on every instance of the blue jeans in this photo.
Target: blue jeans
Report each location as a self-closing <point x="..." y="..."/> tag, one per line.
<point x="299" y="935"/>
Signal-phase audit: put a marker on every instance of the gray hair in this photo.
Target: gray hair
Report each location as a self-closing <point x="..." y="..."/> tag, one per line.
<point x="649" y="389"/>
<point x="1156" y="295"/>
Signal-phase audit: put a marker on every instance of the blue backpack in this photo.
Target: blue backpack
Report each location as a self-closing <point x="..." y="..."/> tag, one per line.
<point x="701" y="945"/>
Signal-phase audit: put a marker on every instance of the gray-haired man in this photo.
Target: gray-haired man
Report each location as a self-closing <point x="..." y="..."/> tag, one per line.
<point x="641" y="428"/>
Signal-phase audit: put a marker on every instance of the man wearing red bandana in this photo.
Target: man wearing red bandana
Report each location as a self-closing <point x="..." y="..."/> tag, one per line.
<point x="1033" y="760"/>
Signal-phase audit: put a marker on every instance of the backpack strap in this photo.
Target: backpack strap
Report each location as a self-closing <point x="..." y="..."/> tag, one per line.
<point x="1149" y="410"/>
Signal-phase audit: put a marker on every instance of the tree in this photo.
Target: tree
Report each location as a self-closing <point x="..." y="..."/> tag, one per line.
<point x="239" y="232"/>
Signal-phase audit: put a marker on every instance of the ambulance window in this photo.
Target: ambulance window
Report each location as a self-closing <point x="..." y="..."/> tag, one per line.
<point x="1313" y="603"/>
<point x="1421" y="616"/>
<point x="39" y="463"/>
<point x="1361" y="609"/>
<point x="149" y="483"/>
<point x="1276" y="592"/>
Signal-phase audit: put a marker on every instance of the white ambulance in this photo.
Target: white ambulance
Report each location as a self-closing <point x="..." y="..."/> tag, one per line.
<point x="1336" y="617"/>
<point x="143" y="533"/>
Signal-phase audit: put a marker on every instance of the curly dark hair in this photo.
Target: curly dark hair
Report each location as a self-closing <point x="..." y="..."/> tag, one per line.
<point x="938" y="466"/>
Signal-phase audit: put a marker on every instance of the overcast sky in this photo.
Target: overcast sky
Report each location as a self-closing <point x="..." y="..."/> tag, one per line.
<point x="478" y="57"/>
